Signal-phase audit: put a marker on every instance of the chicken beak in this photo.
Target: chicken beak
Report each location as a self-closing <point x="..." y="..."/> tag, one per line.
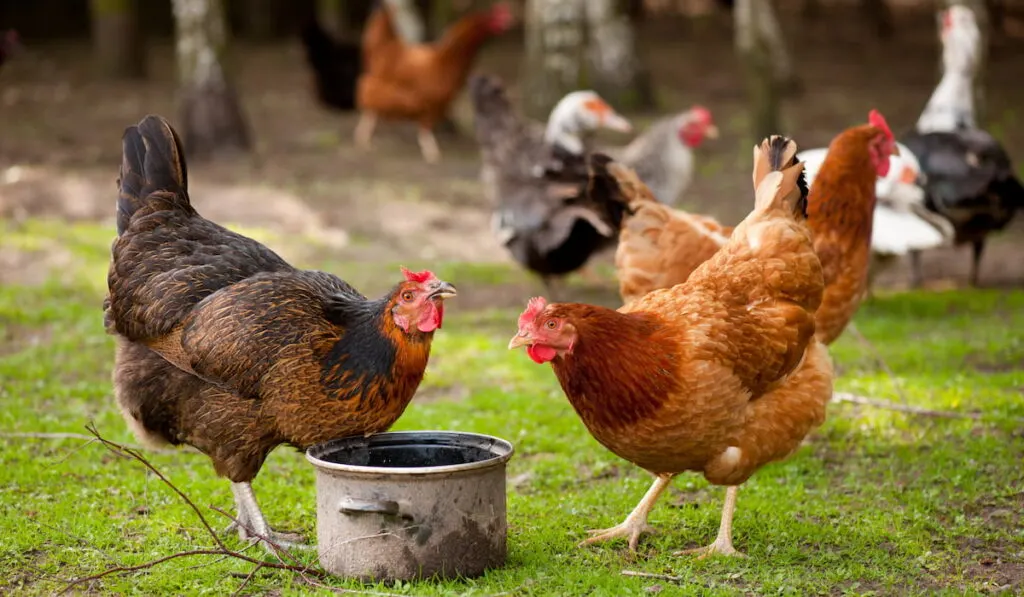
<point x="443" y="290"/>
<point x="711" y="132"/>
<point x="615" y="122"/>
<point x="895" y="150"/>
<point x="520" y="339"/>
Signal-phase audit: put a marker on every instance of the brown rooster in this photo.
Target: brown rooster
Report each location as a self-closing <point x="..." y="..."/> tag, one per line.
<point x="719" y="375"/>
<point x="224" y="346"/>
<point x="418" y="81"/>
<point x="659" y="246"/>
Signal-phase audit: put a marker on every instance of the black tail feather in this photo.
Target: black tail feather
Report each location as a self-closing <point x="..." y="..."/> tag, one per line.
<point x="336" y="66"/>
<point x="152" y="160"/>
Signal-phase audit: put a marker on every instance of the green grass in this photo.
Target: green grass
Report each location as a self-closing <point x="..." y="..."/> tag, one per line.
<point x="876" y="503"/>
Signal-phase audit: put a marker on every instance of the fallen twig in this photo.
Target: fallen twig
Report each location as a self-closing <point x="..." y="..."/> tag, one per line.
<point x="881" y="362"/>
<point x="667" y="577"/>
<point x="903" y="408"/>
<point x="220" y="550"/>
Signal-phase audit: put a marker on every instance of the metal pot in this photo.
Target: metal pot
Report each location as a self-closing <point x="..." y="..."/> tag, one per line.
<point x="411" y="504"/>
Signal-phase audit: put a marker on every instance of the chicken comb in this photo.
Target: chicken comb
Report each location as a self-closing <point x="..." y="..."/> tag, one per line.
<point x="533" y="309"/>
<point x="424" y="276"/>
<point x="876" y="120"/>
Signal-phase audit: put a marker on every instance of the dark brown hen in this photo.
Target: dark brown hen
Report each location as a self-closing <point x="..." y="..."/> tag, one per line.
<point x="224" y="346"/>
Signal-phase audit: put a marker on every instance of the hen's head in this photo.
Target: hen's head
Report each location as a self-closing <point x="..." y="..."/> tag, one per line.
<point x="545" y="331"/>
<point x="961" y="39"/>
<point x="418" y="301"/>
<point x="695" y="125"/>
<point x="873" y="141"/>
<point x="499" y="19"/>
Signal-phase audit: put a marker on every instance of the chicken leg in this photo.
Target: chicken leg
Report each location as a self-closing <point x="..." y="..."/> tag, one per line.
<point x="428" y="146"/>
<point x="723" y="542"/>
<point x="636" y="523"/>
<point x="364" y="129"/>
<point x="252" y="526"/>
<point x="977" y="248"/>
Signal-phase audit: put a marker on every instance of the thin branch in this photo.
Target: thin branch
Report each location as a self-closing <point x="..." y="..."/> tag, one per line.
<point x="667" y="577"/>
<point x="881" y="362"/>
<point x="245" y="582"/>
<point x="221" y="550"/>
<point x="903" y="408"/>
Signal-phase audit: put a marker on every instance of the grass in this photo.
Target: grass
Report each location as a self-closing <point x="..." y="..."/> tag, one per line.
<point x="875" y="503"/>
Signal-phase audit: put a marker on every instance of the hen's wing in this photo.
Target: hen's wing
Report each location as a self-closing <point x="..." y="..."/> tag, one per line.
<point x="167" y="258"/>
<point x="752" y="304"/>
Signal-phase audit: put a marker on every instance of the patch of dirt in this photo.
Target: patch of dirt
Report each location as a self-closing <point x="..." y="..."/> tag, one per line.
<point x="993" y="363"/>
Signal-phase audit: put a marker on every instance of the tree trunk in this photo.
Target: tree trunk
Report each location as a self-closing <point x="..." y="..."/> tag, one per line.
<point x="878" y="12"/>
<point x="260" y="18"/>
<point x="554" y="53"/>
<point x="754" y="54"/>
<point x="333" y="17"/>
<point x="781" y="60"/>
<point x="982" y="17"/>
<point x="407" y="20"/>
<point x="117" y="39"/>
<point x="212" y="122"/>
<point x="614" y="68"/>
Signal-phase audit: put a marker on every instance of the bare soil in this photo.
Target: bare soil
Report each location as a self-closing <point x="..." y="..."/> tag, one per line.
<point x="60" y="128"/>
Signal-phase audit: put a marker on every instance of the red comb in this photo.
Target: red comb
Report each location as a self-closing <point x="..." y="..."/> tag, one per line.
<point x="533" y="309"/>
<point x="421" y="277"/>
<point x="876" y="120"/>
<point x="947" y="18"/>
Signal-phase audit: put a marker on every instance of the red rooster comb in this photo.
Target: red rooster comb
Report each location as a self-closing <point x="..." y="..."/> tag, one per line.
<point x="533" y="309"/>
<point x="876" y="120"/>
<point x="424" y="276"/>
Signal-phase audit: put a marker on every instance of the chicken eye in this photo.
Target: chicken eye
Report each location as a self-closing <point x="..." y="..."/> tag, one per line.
<point x="407" y="296"/>
<point x="551" y="324"/>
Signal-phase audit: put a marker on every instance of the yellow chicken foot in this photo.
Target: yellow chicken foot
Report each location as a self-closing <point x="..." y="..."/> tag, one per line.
<point x="428" y="146"/>
<point x="364" y="129"/>
<point x="636" y="523"/>
<point x="723" y="542"/>
<point x="252" y="526"/>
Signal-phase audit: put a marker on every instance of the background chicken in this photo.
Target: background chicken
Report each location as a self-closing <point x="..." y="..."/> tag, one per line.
<point x="663" y="155"/>
<point x="224" y="346"/>
<point x="659" y="246"/>
<point x="336" y="66"/>
<point x="543" y="214"/>
<point x="663" y="246"/>
<point x="720" y="375"/>
<point x="418" y="81"/>
<point x="966" y="173"/>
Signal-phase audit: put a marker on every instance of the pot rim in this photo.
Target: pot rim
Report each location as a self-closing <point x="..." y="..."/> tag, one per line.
<point x="487" y="442"/>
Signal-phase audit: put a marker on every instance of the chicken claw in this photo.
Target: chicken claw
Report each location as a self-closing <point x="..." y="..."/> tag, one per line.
<point x="632" y="529"/>
<point x="723" y="542"/>
<point x="636" y="523"/>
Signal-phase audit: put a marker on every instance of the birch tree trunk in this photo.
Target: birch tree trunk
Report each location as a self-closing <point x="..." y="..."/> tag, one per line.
<point x="555" y="44"/>
<point x="407" y="20"/>
<point x="768" y="27"/>
<point x="614" y="69"/>
<point x="755" y="56"/>
<point x="117" y="39"/>
<point x="212" y="122"/>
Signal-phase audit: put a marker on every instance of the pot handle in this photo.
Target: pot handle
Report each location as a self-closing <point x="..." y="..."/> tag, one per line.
<point x="361" y="506"/>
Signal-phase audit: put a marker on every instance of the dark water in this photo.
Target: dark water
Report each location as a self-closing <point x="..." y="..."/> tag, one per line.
<point x="408" y="455"/>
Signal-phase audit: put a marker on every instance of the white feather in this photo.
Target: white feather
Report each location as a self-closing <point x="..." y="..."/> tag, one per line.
<point x="897" y="229"/>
